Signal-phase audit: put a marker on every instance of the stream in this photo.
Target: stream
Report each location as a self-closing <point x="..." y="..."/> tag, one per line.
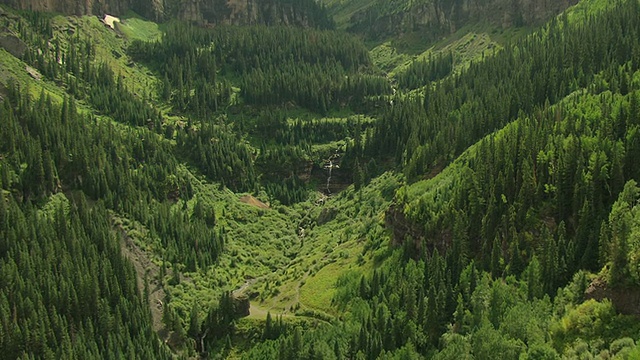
<point x="330" y="167"/>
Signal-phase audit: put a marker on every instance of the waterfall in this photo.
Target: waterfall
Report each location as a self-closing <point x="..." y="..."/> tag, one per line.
<point x="330" y="167"/>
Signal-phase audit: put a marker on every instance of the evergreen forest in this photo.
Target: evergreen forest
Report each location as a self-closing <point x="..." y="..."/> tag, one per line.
<point x="346" y="187"/>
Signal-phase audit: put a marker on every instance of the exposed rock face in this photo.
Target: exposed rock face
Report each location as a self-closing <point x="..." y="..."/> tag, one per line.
<point x="13" y="45"/>
<point x="625" y="300"/>
<point x="73" y="7"/>
<point x="241" y="305"/>
<point x="241" y="12"/>
<point x="440" y="17"/>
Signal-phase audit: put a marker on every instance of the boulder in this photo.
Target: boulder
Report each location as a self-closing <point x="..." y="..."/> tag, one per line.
<point x="33" y="73"/>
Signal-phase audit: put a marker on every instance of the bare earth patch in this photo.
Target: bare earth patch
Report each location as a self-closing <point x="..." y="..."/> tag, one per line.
<point x="110" y="21"/>
<point x="248" y="199"/>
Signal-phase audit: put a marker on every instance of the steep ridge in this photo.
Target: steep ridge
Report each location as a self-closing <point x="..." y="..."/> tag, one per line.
<point x="301" y="13"/>
<point x="380" y="19"/>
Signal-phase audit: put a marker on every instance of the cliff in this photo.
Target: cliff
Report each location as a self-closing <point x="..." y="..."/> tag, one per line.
<point x="384" y="18"/>
<point x="240" y="12"/>
<point x="74" y="7"/>
<point x="250" y="12"/>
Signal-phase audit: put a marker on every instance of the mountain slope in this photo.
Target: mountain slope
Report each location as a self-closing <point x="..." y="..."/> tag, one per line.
<point x="133" y="163"/>
<point x="532" y="205"/>
<point x="433" y="19"/>
<point x="450" y="209"/>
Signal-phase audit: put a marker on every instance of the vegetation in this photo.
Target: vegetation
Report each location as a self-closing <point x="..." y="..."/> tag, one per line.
<point x="159" y="183"/>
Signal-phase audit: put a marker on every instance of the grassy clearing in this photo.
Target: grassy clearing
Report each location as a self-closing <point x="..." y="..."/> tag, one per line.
<point x="319" y="290"/>
<point x="135" y="28"/>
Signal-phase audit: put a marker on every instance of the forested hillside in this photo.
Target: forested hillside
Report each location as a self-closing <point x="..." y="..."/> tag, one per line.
<point x="66" y="290"/>
<point x="266" y="191"/>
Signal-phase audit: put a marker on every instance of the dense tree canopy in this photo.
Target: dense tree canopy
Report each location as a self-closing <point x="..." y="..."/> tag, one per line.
<point x="512" y="181"/>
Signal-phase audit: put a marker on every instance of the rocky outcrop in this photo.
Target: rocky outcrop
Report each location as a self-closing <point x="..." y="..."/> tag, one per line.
<point x="13" y="45"/>
<point x="240" y="12"/>
<point x="436" y="18"/>
<point x="626" y="300"/>
<point x="241" y="305"/>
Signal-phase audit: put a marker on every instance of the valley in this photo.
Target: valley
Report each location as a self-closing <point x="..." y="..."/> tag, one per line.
<point x="339" y="180"/>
